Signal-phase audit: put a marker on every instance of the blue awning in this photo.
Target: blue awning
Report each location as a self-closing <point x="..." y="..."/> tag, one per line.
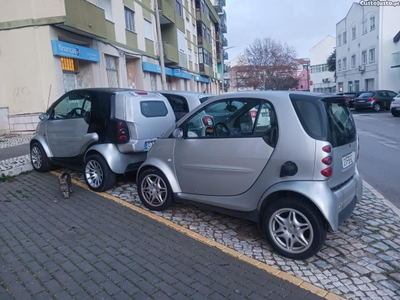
<point x="153" y="68"/>
<point x="181" y="74"/>
<point x="201" y="79"/>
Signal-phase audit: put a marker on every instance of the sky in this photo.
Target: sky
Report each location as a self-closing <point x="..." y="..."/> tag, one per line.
<point x="301" y="23"/>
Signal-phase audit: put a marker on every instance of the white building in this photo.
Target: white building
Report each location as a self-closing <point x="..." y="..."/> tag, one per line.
<point x="365" y="53"/>
<point x="321" y="79"/>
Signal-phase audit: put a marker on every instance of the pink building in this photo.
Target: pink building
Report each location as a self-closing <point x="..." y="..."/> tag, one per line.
<point x="304" y="78"/>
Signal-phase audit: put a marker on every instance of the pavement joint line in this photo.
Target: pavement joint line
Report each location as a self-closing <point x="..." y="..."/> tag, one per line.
<point x="380" y="196"/>
<point x="258" y="264"/>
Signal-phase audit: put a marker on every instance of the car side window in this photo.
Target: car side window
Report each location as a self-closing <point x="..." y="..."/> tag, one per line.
<point x="383" y="94"/>
<point x="178" y="103"/>
<point x="233" y="119"/>
<point x="392" y="95"/>
<point x="73" y="106"/>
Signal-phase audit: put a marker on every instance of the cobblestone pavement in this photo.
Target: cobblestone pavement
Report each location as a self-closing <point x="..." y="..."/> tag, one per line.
<point x="360" y="261"/>
<point x="89" y="247"/>
<point x="12" y="140"/>
<point x="16" y="165"/>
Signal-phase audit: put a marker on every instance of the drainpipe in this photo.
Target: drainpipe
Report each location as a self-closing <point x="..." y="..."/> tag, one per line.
<point x="160" y="46"/>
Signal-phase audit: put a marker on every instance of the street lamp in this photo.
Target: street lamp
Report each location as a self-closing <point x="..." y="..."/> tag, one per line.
<point x="222" y="66"/>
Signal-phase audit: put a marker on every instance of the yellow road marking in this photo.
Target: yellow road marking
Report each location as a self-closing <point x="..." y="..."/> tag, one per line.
<point x="272" y="270"/>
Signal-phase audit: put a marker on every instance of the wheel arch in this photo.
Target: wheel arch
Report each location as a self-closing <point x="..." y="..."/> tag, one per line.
<point x="42" y="142"/>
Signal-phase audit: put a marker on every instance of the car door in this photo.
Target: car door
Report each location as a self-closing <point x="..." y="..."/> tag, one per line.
<point x="67" y="129"/>
<point x="224" y="157"/>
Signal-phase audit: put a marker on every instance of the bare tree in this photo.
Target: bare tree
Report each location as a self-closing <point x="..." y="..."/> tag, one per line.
<point x="270" y="65"/>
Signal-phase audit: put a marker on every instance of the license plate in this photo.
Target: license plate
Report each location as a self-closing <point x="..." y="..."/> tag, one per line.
<point x="148" y="145"/>
<point x="348" y="160"/>
<point x="361" y="101"/>
<point x="398" y="108"/>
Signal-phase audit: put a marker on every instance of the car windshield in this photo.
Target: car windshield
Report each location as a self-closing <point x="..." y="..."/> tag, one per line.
<point x="342" y="129"/>
<point x="366" y="95"/>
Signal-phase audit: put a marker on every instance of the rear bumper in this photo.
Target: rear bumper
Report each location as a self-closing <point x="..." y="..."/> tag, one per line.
<point x="361" y="105"/>
<point x="135" y="146"/>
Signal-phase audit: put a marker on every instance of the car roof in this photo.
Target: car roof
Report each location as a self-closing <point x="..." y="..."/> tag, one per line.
<point x="280" y="95"/>
<point x="186" y="93"/>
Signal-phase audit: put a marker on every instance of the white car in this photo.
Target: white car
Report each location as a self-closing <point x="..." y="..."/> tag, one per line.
<point x="395" y="106"/>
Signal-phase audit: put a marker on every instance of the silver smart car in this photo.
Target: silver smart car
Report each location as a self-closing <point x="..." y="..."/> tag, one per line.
<point x="107" y="131"/>
<point x="285" y="160"/>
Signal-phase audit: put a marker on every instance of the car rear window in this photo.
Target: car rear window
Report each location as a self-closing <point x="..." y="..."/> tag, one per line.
<point x="151" y="109"/>
<point x="342" y="129"/>
<point x="310" y="117"/>
<point x="365" y="95"/>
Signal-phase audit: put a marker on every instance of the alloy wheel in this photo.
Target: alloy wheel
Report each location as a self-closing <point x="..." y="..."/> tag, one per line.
<point x="94" y="173"/>
<point x="36" y="157"/>
<point x="154" y="190"/>
<point x="291" y="230"/>
<point x="377" y="107"/>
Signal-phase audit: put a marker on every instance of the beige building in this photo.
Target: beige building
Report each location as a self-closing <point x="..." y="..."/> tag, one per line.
<point x="51" y="48"/>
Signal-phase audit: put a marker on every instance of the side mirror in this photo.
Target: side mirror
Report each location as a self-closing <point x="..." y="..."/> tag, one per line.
<point x="178" y="133"/>
<point x="44" y="117"/>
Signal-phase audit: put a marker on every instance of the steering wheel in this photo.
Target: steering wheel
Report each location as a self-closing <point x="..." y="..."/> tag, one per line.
<point x="75" y="113"/>
<point x="221" y="128"/>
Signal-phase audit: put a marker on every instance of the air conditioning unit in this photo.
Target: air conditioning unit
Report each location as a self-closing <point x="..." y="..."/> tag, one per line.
<point x="325" y="80"/>
<point x="361" y="69"/>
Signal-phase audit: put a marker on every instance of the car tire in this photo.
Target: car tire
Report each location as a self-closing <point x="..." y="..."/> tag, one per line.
<point x="97" y="173"/>
<point x="376" y="107"/>
<point x="39" y="160"/>
<point x="154" y="190"/>
<point x="395" y="114"/>
<point x="294" y="242"/>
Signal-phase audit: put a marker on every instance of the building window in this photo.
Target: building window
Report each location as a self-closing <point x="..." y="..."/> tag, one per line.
<point x="354" y="32"/>
<point x="372" y="55"/>
<point x="148" y="29"/>
<point x="339" y="65"/>
<point x="345" y="37"/>
<point x="364" y="26"/>
<point x="106" y="6"/>
<point x="129" y="19"/>
<point x="344" y="63"/>
<point x="353" y="60"/>
<point x="364" y="57"/>
<point x="187" y="23"/>
<point x="190" y="54"/>
<point x="112" y="71"/>
<point x="195" y="58"/>
<point x="340" y="40"/>
<point x="178" y="7"/>
<point x="193" y="28"/>
<point x="350" y="84"/>
<point x="209" y="35"/>
<point x="372" y="23"/>
<point x="69" y="64"/>
<point x="356" y="85"/>
<point x="340" y="84"/>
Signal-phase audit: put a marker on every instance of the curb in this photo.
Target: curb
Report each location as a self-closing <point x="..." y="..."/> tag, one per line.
<point x="380" y="196"/>
<point x="16" y="171"/>
<point x="256" y="263"/>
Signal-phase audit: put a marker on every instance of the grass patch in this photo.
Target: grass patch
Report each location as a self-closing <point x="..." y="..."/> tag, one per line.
<point x="4" y="178"/>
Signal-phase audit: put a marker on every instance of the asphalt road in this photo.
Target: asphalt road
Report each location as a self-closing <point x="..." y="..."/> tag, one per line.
<point x="379" y="162"/>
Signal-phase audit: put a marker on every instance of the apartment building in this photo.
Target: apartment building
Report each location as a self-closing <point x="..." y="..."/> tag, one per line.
<point x="366" y="49"/>
<point x="58" y="46"/>
<point x="321" y="79"/>
<point x="303" y="74"/>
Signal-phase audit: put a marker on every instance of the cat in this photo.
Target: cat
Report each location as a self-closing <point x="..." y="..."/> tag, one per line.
<point x="65" y="184"/>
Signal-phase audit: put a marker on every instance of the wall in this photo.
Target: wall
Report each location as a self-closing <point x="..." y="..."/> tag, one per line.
<point x="4" y="126"/>
<point x="31" y="9"/>
<point x="318" y="56"/>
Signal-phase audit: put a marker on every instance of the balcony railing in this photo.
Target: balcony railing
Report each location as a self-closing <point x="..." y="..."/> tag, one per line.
<point x="218" y="5"/>
<point x="223" y="27"/>
<point x="171" y="53"/>
<point x="226" y="56"/>
<point x="183" y="62"/>
<point x="224" y="41"/>
<point x="167" y="12"/>
<point x="396" y="60"/>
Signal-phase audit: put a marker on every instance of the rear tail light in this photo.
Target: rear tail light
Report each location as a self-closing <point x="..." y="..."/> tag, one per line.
<point x="327" y="172"/>
<point x="371" y="99"/>
<point x="208" y="121"/>
<point x="327" y="149"/>
<point x="141" y="93"/>
<point x="122" y="132"/>
<point x="327" y="160"/>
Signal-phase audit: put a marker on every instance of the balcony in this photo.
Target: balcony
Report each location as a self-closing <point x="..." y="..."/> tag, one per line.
<point x="224" y="41"/>
<point x="223" y="27"/>
<point x="203" y="43"/>
<point x="225" y="55"/>
<point x="226" y="69"/>
<point x="167" y="12"/>
<point x="219" y="5"/>
<point x="222" y="15"/>
<point x="170" y="54"/>
<point x="87" y="17"/>
<point x="200" y="16"/>
<point x="206" y="70"/>
<point x="396" y="60"/>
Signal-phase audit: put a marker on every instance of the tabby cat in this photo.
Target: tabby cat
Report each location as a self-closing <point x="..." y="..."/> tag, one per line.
<point x="65" y="184"/>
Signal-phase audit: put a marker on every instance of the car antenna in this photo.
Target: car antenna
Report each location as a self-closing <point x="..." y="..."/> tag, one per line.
<point x="48" y="98"/>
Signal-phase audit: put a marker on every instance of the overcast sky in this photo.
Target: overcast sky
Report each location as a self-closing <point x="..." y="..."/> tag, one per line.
<point x="300" y="23"/>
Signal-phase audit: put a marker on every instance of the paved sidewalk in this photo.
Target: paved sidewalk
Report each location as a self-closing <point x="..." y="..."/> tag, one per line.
<point x="89" y="247"/>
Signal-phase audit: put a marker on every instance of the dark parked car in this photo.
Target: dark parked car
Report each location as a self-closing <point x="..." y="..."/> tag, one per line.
<point x="375" y="100"/>
<point x="351" y="98"/>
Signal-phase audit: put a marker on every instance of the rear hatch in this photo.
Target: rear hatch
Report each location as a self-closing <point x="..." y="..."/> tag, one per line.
<point x="342" y="135"/>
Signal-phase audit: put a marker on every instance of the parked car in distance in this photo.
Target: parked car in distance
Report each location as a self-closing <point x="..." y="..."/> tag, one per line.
<point x="107" y="131"/>
<point x="292" y="168"/>
<point x="375" y="100"/>
<point x="395" y="106"/>
<point x="183" y="101"/>
<point x="350" y="97"/>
